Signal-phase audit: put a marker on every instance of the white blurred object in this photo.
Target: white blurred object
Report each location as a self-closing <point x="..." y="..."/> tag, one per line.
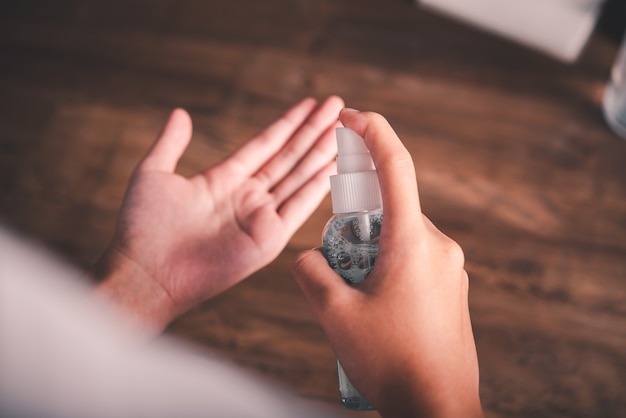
<point x="614" y="103"/>
<point x="559" y="28"/>
<point x="64" y="353"/>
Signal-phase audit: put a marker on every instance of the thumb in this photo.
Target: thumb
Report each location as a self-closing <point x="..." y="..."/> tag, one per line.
<point x="170" y="144"/>
<point x="325" y="289"/>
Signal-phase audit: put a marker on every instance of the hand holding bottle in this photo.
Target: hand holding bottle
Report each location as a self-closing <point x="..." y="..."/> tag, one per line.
<point x="180" y="241"/>
<point x="403" y="335"/>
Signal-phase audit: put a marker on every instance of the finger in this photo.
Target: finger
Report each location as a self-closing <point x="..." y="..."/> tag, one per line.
<point x="302" y="203"/>
<point x="325" y="290"/>
<point x="170" y="144"/>
<point x="394" y="165"/>
<point x="283" y="162"/>
<point x="256" y="152"/>
<point x="323" y="152"/>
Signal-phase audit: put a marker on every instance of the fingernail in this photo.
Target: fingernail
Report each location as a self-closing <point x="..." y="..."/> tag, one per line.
<point x="349" y="109"/>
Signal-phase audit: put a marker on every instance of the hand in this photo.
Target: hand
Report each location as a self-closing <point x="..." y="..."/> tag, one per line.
<point x="180" y="241"/>
<point x="403" y="335"/>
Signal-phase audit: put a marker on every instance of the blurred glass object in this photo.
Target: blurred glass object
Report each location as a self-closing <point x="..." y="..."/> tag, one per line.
<point x="614" y="104"/>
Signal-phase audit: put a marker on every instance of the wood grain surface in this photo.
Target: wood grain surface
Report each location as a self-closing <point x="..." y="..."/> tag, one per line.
<point x="513" y="159"/>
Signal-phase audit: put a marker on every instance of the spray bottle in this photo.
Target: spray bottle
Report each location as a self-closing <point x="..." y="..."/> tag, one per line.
<point x="350" y="238"/>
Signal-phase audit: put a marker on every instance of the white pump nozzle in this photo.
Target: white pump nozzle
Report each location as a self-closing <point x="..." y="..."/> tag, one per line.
<point x="352" y="154"/>
<point x="355" y="187"/>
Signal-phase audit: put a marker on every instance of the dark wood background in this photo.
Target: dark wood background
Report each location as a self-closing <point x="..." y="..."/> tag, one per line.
<point x="513" y="158"/>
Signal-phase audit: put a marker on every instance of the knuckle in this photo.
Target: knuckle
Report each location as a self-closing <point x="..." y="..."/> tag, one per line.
<point x="302" y="264"/>
<point x="403" y="161"/>
<point x="375" y="117"/>
<point x="454" y="252"/>
<point x="465" y="281"/>
<point x="298" y="262"/>
<point x="449" y="249"/>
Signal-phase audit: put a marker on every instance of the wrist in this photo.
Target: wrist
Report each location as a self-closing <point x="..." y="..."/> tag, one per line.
<point x="420" y="398"/>
<point x="127" y="286"/>
<point x="400" y="408"/>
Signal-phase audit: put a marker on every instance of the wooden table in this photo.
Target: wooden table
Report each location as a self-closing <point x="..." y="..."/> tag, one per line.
<point x="513" y="159"/>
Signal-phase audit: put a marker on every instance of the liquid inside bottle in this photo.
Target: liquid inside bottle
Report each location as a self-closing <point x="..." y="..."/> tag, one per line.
<point x="350" y="244"/>
<point x="350" y="397"/>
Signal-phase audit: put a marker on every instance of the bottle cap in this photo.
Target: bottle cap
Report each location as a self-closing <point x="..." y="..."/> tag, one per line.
<point x="355" y="187"/>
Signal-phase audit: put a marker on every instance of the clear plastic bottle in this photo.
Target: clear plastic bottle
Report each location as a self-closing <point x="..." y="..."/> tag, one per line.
<point x="350" y="243"/>
<point x="350" y="238"/>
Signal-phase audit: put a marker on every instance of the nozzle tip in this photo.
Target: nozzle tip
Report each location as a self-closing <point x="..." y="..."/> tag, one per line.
<point x="349" y="142"/>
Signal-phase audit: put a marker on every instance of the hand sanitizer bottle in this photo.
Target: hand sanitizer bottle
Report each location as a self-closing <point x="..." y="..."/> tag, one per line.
<point x="350" y="238"/>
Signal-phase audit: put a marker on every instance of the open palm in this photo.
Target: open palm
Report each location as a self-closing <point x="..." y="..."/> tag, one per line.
<point x="195" y="237"/>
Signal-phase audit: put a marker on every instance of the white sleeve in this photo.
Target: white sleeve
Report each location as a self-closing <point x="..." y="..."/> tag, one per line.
<point x="63" y="353"/>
